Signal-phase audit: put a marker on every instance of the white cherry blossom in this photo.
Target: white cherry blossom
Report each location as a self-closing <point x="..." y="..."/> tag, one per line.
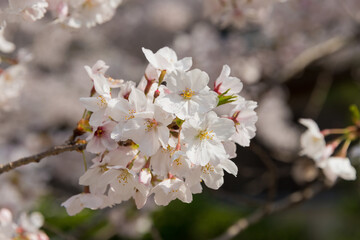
<point x="60" y="8"/>
<point x="122" y="181"/>
<point x="171" y="189"/>
<point x="100" y="139"/>
<point x="7" y="226"/>
<point x="12" y="81"/>
<point x="161" y="160"/>
<point x="166" y="59"/>
<point x="244" y="118"/>
<point x="98" y="70"/>
<point x="189" y="94"/>
<point x="224" y="82"/>
<point x="204" y="138"/>
<point x="312" y="141"/>
<point x="5" y="45"/>
<point x="98" y="104"/>
<point x="180" y="165"/>
<point x="31" y="10"/>
<point x="151" y="131"/>
<point x="339" y="167"/>
<point x="88" y="13"/>
<point x="27" y="226"/>
<point x="80" y="201"/>
<point x="122" y="110"/>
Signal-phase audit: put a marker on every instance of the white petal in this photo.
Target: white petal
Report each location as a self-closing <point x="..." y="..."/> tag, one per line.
<point x="229" y="166"/>
<point x="199" y="79"/>
<point x="184" y="64"/>
<point x="92" y="104"/>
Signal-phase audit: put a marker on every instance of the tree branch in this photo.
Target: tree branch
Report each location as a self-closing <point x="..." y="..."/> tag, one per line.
<point x="313" y="54"/>
<point x="289" y="201"/>
<point x="37" y="157"/>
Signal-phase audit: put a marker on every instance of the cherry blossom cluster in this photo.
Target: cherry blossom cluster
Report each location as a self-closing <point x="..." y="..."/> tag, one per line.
<point x="72" y="13"/>
<point x="164" y="136"/>
<point x="238" y="12"/>
<point x="333" y="163"/>
<point x="27" y="226"/>
<point x="12" y="72"/>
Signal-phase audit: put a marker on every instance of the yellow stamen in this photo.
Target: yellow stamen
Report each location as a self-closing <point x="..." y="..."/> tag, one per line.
<point x="123" y="177"/>
<point x="131" y="114"/>
<point x="206" y="135"/>
<point x="88" y="4"/>
<point x="102" y="102"/>
<point x="178" y="161"/>
<point x="150" y="124"/>
<point x="103" y="168"/>
<point x="187" y="94"/>
<point x="208" y="168"/>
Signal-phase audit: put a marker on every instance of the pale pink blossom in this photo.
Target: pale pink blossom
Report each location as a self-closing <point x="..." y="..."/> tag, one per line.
<point x="78" y="202"/>
<point x="166" y="59"/>
<point x="226" y="83"/>
<point x="204" y="136"/>
<point x="100" y="139"/>
<point x="189" y="94"/>
<point x="170" y="189"/>
<point x="312" y="140"/>
<point x="30" y="10"/>
<point x="5" y="45"/>
<point x="339" y="167"/>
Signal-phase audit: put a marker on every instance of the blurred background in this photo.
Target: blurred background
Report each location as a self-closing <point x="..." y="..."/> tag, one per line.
<point x="296" y="58"/>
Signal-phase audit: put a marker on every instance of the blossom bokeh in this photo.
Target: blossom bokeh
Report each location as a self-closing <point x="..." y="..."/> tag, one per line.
<point x="296" y="58"/>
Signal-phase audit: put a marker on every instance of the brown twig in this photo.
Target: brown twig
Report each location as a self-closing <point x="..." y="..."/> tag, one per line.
<point x="318" y="95"/>
<point x="238" y="198"/>
<point x="37" y="157"/>
<point x="289" y="201"/>
<point x="270" y="165"/>
<point x="313" y="54"/>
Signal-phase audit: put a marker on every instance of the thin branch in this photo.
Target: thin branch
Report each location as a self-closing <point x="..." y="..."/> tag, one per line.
<point x="37" y="157"/>
<point x="238" y="198"/>
<point x="318" y="95"/>
<point x="314" y="53"/>
<point x="271" y="166"/>
<point x="288" y="202"/>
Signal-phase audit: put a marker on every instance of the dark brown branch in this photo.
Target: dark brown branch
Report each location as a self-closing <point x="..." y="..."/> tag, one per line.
<point x="270" y="165"/>
<point x="37" y="157"/>
<point x="290" y="201"/>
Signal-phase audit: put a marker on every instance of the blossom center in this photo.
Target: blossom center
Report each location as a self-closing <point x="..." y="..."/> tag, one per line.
<point x="131" y="114"/>
<point x="8" y="77"/>
<point x="204" y="134"/>
<point x="208" y="168"/>
<point x="88" y="4"/>
<point x="123" y="178"/>
<point x="102" y="102"/>
<point x="99" y="132"/>
<point x="103" y="168"/>
<point x="187" y="94"/>
<point x="150" y="124"/>
<point x="174" y="190"/>
<point x="178" y="162"/>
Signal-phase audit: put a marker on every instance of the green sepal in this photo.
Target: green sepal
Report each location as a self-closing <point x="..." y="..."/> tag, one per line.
<point x="179" y="122"/>
<point x="226" y="99"/>
<point x="355" y="113"/>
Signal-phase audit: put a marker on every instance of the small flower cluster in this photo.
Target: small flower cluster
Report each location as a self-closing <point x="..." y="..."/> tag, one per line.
<point x="163" y="137"/>
<point x="27" y="227"/>
<point x="237" y="12"/>
<point x="11" y="76"/>
<point x="314" y="146"/>
<point x="73" y="13"/>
